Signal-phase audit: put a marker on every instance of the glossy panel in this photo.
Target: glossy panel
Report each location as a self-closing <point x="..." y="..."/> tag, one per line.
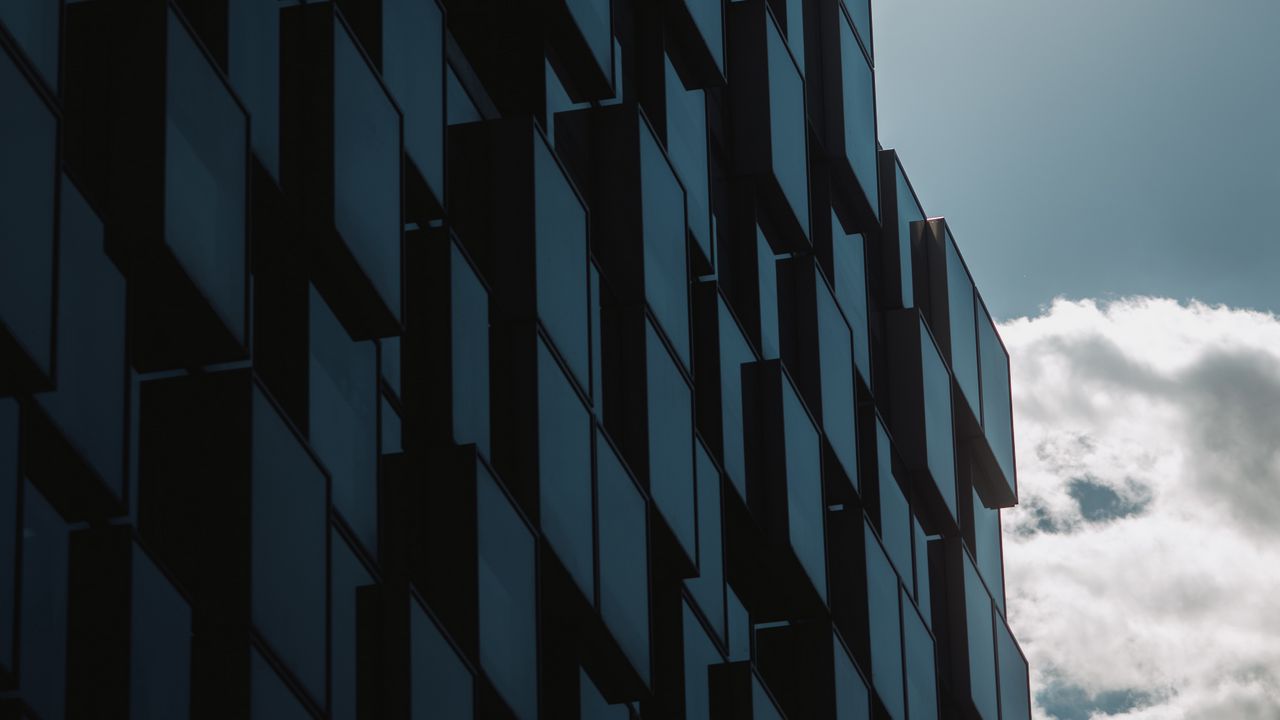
<point x="762" y="706"/>
<point x="939" y="439"/>
<point x="734" y="352"/>
<point x="853" y="700"/>
<point x="289" y="538"/>
<point x="986" y="531"/>
<point x="10" y="522"/>
<point x="851" y="292"/>
<point x="348" y="576"/>
<point x="908" y="212"/>
<point x="624" y="557"/>
<point x="440" y="686"/>
<point x="922" y="684"/>
<point x="269" y="697"/>
<point x="768" y="277"/>
<point x="34" y="24"/>
<point x="687" y="146"/>
<point x="964" y="340"/>
<point x="253" y="67"/>
<point x="699" y="653"/>
<point x="413" y="68"/>
<point x="860" y="11"/>
<point x="708" y="16"/>
<point x="564" y="472"/>
<point x="160" y="659"/>
<point x="670" y="443"/>
<point x="795" y="31"/>
<point x="787" y="126"/>
<point x="858" y="98"/>
<point x="507" y="593"/>
<point x="895" y="514"/>
<point x="708" y="588"/>
<point x="594" y="21"/>
<point x="666" y="274"/>
<point x="739" y="627"/>
<point x="205" y="178"/>
<point x="459" y="106"/>
<point x="1015" y="700"/>
<point x="835" y="347"/>
<point x="592" y="704"/>
<point x="560" y="226"/>
<point x="469" y="325"/>
<point x="28" y="184"/>
<point x="43" y="614"/>
<point x="924" y="598"/>
<point x="982" y="654"/>
<point x="882" y="616"/>
<point x="366" y="169"/>
<point x="806" y="510"/>
<point x="997" y="418"/>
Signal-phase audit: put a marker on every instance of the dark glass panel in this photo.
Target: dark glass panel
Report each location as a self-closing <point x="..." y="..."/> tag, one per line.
<point x="440" y="685"/>
<point x="853" y="700"/>
<point x="964" y="340"/>
<point x="997" y="418"/>
<point x="708" y="588"/>
<point x="413" y="68"/>
<point x="687" y="146"/>
<point x="939" y="442"/>
<point x="908" y="212"/>
<point x="160" y="660"/>
<point x="348" y="576"/>
<point x="390" y="363"/>
<point x="986" y="532"/>
<point x="392" y="440"/>
<point x="205" y="178"/>
<point x="851" y="292"/>
<point x="469" y="303"/>
<point x="768" y="288"/>
<point x="289" y="538"/>
<point x="28" y="184"/>
<point x="594" y="21"/>
<point x="835" y="347"/>
<point x="43" y="615"/>
<point x="1015" y="699"/>
<point x="561" y="260"/>
<point x="699" y="653"/>
<point x="982" y="653"/>
<point x="253" y="67"/>
<point x="795" y="31"/>
<point x="564" y="471"/>
<point x="343" y="421"/>
<point x="670" y="442"/>
<point x="917" y="644"/>
<point x="882" y="616"/>
<point x="624" y="557"/>
<point x="860" y="10"/>
<point x="666" y="275"/>
<point x="734" y="352"/>
<point x="10" y="521"/>
<point x="787" y="126"/>
<point x="895" y="514"/>
<point x="592" y="703"/>
<point x="34" y="24"/>
<point x="739" y="627"/>
<point x="366" y="169"/>
<point x="858" y="98"/>
<point x="708" y="16"/>
<point x="762" y="705"/>
<point x="508" y="607"/>
<point x="269" y="697"/>
<point x="923" y="597"/>
<point x="806" y="510"/>
<point x="458" y="103"/>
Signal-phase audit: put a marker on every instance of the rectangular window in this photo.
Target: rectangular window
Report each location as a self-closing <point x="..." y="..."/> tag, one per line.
<point x="860" y="11"/>
<point x="160" y="647"/>
<point x="788" y="129"/>
<point x="440" y="686"/>
<point x="734" y="352"/>
<point x="963" y="329"/>
<point x="922" y="683"/>
<point x="853" y="700"/>
<point x="469" y="348"/>
<point x="253" y="66"/>
<point x="564" y="472"/>
<point x="895" y="513"/>
<point x="835" y="356"/>
<point x="939" y="439"/>
<point x="43" y="612"/>
<point x="699" y="654"/>
<point x="560" y="226"/>
<point x="908" y="212"/>
<point x="347" y="579"/>
<point x="670" y="407"/>
<point x="269" y="697"/>
<point x="624" y="557"/>
<point x="923" y="593"/>
<point x="666" y="272"/>
<point x="981" y="643"/>
<point x="806" y="510"/>
<point x="34" y="24"/>
<point x="1015" y="698"/>
<point x="851" y="292"/>
<point x="413" y="68"/>
<point x="708" y="588"/>
<point x="997" y="409"/>
<point x="687" y="146"/>
<point x="987" y="548"/>
<point x="883" y="620"/>
<point x="767" y="269"/>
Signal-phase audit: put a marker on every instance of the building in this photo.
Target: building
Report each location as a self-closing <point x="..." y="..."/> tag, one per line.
<point x="570" y="358"/>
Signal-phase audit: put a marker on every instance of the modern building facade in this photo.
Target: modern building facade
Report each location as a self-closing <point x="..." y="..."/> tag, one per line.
<point x="546" y="359"/>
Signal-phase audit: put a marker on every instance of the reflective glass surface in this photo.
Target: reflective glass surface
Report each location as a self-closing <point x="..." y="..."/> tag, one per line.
<point x="43" y="615"/>
<point x="806" y="510"/>
<point x="253" y="67"/>
<point x="859" y="103"/>
<point x="666" y="275"/>
<point x="1015" y="700"/>
<point x="908" y="212"/>
<point x="939" y="443"/>
<point x="459" y="106"/>
<point x="9" y="523"/>
<point x="851" y="291"/>
<point x="413" y="68"/>
<point x="997" y="418"/>
<point x="469" y="305"/>
<point x="768" y="276"/>
<point x="699" y="653"/>
<point x="624" y="557"/>
<point x="795" y="31"/>
<point x="739" y="626"/>
<point x="564" y="471"/>
<point x="89" y="403"/>
<point x="882" y="611"/>
<point x="860" y="10"/>
<point x="560" y="224"/>
<point x="269" y="697"/>
<point x="34" y="24"/>
<point x="160" y="660"/>
<point x="708" y="588"/>
<point x="924" y="598"/>
<point x="787" y="126"/>
<point x="895" y="514"/>
<point x="687" y="143"/>
<point x="964" y="340"/>
<point x="205" y="177"/>
<point x="507" y="592"/>
<point x="342" y="415"/>
<point x="708" y="16"/>
<point x="853" y="700"/>
<point x="922" y="684"/>
<point x="734" y="352"/>
<point x="594" y="21"/>
<point x="289" y="531"/>
<point x="982" y="654"/>
<point x="348" y="576"/>
<point x="835" y="348"/>
<point x="28" y="184"/>
<point x="986" y="532"/>
<point x="366" y="169"/>
<point x="670" y="443"/>
<point x="440" y="686"/>
<point x="592" y="704"/>
<point x="762" y="706"/>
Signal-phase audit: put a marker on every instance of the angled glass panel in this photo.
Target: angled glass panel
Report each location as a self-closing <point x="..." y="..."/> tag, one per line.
<point x="342" y="416"/>
<point x="440" y="686"/>
<point x="762" y="705"/>
<point x="851" y="292"/>
<point x="28" y="185"/>
<point x="670" y="442"/>
<point x="348" y="576"/>
<point x="1015" y="695"/>
<point x="560" y="224"/>
<point x="939" y="439"/>
<point x="708" y="588"/>
<point x="708" y="16"/>
<point x="835" y="349"/>
<point x="982" y="653"/>
<point x="10" y="523"/>
<point x="860" y="11"/>
<point x="469" y="345"/>
<point x="882" y="616"/>
<point x="699" y="654"/>
<point x="917" y="644"/>
<point x="269" y="697"/>
<point x="594" y="20"/>
<point x="734" y="352"/>
<point x="687" y="143"/>
<point x="89" y="403"/>
<point x="413" y="68"/>
<point x="253" y="67"/>
<point x="895" y="514"/>
<point x="205" y="178"/>
<point x="508" y="598"/>
<point x="592" y="704"/>
<point x="564" y="471"/>
<point x="597" y="351"/>
<point x="853" y="700"/>
<point x="459" y="105"/>
<point x="289" y="527"/>
<point x="795" y="31"/>
<point x="768" y="289"/>
<point x="924" y="598"/>
<point x="787" y="126"/>
<point x="986" y="532"/>
<point x="859" y="103"/>
<point x="624" y="557"/>
<point x="366" y="169"/>
<point x="34" y="24"/>
<point x="160" y="654"/>
<point x="43" y="615"/>
<point x="908" y="212"/>
<point x="666" y="273"/>
<point x="997" y="413"/>
<point x="806" y="510"/>
<point x="739" y="626"/>
<point x="964" y="339"/>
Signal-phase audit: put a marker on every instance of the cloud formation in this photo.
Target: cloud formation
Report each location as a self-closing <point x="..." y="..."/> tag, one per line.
<point x="1143" y="563"/>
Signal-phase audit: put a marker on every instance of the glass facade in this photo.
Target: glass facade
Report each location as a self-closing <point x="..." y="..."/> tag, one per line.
<point x="564" y="471"/>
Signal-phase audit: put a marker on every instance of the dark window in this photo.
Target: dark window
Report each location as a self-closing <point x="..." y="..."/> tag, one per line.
<point x="851" y="291"/>
<point x="853" y="700"/>
<point x="939" y="440"/>
<point x="860" y="10"/>
<point x="666" y="276"/>
<point x="687" y="145"/>
<point x="1015" y="699"/>
<point x="594" y="21"/>
<point x="469" y="303"/>
<point x="859" y="103"/>
<point x="986" y="531"/>
<point x="699" y="654"/>
<point x="413" y="67"/>
<point x="806" y="510"/>
<point x="908" y="212"/>
<point x="964" y="341"/>
<point x="592" y="703"/>
<point x="883" y="619"/>
<point x="43" y="612"/>
<point x="160" y="661"/>
<point x="917" y="644"/>
<point x="348" y="577"/>
<point x="835" y="347"/>
<point x="997" y="418"/>
<point x="269" y="697"/>
<point x="788" y="127"/>
<point x="34" y="24"/>
<point x="923" y="597"/>
<point x="561" y="259"/>
<point x="895" y="514"/>
<point x="734" y="352"/>
<point x="708" y="588"/>
<point x="624" y="561"/>
<point x="440" y="685"/>
<point x="982" y="653"/>
<point x="253" y="66"/>
<point x="768" y="289"/>
<point x="670" y="442"/>
<point x="564" y="471"/>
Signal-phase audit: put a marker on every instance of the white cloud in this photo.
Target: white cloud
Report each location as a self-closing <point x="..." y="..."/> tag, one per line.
<point x="1143" y="563"/>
